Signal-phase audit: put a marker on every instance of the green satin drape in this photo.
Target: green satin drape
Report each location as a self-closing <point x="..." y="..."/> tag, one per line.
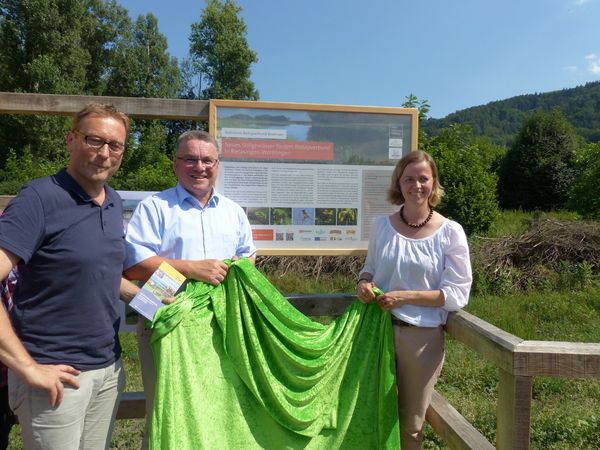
<point x="238" y="367"/>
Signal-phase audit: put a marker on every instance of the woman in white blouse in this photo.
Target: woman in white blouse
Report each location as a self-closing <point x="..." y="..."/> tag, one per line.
<point x="420" y="260"/>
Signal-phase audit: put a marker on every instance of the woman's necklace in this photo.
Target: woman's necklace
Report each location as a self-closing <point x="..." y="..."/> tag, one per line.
<point x="416" y="225"/>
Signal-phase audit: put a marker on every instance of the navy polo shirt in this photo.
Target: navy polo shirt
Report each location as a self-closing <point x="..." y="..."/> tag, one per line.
<point x="72" y="250"/>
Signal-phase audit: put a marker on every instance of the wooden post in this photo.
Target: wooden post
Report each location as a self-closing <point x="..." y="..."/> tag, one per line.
<point x="514" y="411"/>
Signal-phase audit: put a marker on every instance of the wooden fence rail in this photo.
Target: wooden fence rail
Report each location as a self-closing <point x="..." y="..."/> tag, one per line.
<point x="67" y="105"/>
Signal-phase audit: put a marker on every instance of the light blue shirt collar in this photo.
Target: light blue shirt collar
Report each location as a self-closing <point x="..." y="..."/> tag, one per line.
<point x="183" y="195"/>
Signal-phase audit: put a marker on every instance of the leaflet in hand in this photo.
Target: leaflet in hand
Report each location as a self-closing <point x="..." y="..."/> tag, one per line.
<point x="165" y="282"/>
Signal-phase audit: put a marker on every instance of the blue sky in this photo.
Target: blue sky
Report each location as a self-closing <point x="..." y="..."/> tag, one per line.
<point x="455" y="54"/>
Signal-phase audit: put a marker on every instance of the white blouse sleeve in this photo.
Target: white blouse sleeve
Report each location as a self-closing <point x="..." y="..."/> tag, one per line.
<point x="370" y="260"/>
<point x="457" y="276"/>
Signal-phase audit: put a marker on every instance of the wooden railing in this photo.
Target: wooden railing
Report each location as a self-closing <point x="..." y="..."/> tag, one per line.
<point x="518" y="361"/>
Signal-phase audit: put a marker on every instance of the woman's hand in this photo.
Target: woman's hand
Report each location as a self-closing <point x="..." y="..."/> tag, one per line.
<point x="390" y="300"/>
<point x="364" y="291"/>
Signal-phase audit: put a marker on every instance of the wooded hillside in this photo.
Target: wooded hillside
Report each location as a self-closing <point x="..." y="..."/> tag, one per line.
<point x="500" y="120"/>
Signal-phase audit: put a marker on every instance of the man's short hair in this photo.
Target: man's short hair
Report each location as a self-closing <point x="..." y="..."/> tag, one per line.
<point x="100" y="110"/>
<point x="197" y="135"/>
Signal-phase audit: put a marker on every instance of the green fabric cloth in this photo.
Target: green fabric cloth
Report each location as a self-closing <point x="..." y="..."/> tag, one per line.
<point x="238" y="367"/>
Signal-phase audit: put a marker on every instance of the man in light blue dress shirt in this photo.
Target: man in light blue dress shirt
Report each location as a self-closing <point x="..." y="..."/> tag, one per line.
<point x="191" y="226"/>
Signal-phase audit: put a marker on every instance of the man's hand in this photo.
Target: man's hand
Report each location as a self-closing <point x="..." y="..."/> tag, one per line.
<point x="169" y="300"/>
<point x="211" y="271"/>
<point x="50" y="378"/>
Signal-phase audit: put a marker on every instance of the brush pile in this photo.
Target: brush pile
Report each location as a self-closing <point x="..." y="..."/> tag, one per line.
<point x="547" y="243"/>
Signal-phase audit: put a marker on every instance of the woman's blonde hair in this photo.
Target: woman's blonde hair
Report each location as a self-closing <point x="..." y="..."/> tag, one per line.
<point x="394" y="194"/>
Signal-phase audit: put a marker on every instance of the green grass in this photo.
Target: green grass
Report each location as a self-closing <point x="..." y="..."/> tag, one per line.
<point x="294" y="284"/>
<point x="515" y="222"/>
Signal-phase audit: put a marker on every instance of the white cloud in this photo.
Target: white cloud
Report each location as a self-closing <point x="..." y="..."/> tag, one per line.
<point x="594" y="67"/>
<point x="580" y="2"/>
<point x="593" y="61"/>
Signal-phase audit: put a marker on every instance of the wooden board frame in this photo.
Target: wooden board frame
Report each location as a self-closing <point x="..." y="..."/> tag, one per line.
<point x="411" y="113"/>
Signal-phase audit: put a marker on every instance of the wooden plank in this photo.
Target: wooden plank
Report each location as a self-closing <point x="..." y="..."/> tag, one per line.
<point x="317" y="251"/>
<point x="141" y="108"/>
<point x="413" y="112"/>
<point x="4" y="199"/>
<point x="513" y="412"/>
<point x="132" y="406"/>
<point x="494" y="344"/>
<point x="453" y="428"/>
<point x="560" y="359"/>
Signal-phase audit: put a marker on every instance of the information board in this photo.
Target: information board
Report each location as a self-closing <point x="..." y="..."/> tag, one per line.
<point x="311" y="178"/>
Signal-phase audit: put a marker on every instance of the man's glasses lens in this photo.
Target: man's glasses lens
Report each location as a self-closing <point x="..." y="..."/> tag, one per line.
<point x="97" y="143"/>
<point x="206" y="162"/>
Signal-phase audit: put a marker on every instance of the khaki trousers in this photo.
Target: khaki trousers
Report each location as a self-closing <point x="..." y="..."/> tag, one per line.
<point x="83" y="421"/>
<point x="419" y="361"/>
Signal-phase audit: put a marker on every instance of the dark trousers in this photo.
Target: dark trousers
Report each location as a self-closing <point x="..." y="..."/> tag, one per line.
<point x="7" y="418"/>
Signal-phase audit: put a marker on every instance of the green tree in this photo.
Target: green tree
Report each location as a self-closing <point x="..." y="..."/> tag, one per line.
<point x="51" y="46"/>
<point x="585" y="193"/>
<point x="142" y="67"/>
<point x="220" y="53"/>
<point x="539" y="168"/>
<point x="423" y="106"/>
<point x="39" y="52"/>
<point x="465" y="174"/>
<point x="84" y="47"/>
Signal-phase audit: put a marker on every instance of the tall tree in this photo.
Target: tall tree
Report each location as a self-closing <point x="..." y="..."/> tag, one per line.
<point x="142" y="67"/>
<point x="539" y="168"/>
<point x="220" y="53"/>
<point x="51" y="46"/>
<point x="39" y="52"/>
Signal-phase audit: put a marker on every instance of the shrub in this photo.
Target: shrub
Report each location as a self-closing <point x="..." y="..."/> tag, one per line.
<point x="153" y="177"/>
<point x="467" y="178"/>
<point x="585" y="192"/>
<point x="20" y="169"/>
<point x="538" y="170"/>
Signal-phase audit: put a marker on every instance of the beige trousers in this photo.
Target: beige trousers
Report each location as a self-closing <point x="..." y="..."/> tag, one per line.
<point x="419" y="361"/>
<point x="83" y="421"/>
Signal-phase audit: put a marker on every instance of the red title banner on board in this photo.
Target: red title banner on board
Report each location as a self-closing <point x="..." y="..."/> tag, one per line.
<point x="276" y="149"/>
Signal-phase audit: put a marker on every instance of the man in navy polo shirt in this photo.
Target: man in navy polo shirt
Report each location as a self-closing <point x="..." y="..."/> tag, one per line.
<point x="65" y="232"/>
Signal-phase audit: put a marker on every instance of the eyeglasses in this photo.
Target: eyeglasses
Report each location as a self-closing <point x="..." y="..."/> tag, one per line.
<point x="207" y="163"/>
<point x="96" y="142"/>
